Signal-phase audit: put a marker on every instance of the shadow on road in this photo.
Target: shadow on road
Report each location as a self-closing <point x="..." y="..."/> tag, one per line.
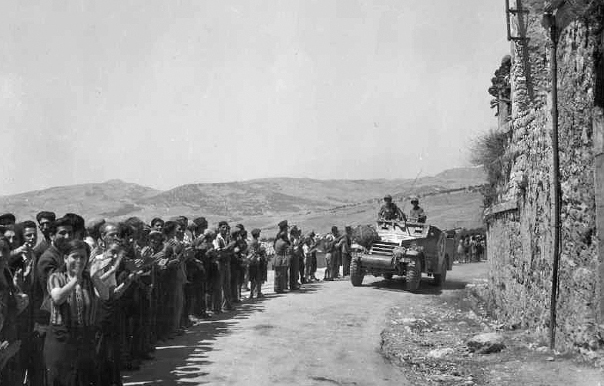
<point x="184" y="358"/>
<point x="425" y="288"/>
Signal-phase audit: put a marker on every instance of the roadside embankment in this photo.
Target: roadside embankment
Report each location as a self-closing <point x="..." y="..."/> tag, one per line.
<point x="448" y="339"/>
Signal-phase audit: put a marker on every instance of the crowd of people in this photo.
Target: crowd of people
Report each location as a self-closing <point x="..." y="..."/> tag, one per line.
<point x="471" y="248"/>
<point x="89" y="300"/>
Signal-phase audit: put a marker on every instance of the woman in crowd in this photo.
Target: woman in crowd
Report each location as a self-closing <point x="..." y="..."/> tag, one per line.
<point x="69" y="349"/>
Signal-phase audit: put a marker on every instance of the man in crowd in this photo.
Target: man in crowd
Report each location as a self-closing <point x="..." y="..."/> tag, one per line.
<point x="198" y="270"/>
<point x="7" y="219"/>
<point x="238" y="236"/>
<point x="282" y="256"/>
<point x="255" y="254"/>
<point x="296" y="255"/>
<point x="345" y="251"/>
<point x="224" y="248"/>
<point x="157" y="224"/>
<point x="60" y="231"/>
<point x="310" y="257"/>
<point x="44" y="219"/>
<point x="78" y="225"/>
<point x="331" y="254"/>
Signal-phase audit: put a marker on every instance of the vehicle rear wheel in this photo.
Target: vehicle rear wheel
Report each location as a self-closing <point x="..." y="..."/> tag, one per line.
<point x="440" y="278"/>
<point x="356" y="273"/>
<point x="388" y="276"/>
<point x="414" y="275"/>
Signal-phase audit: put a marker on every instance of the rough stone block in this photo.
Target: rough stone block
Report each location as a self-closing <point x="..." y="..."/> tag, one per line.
<point x="486" y="343"/>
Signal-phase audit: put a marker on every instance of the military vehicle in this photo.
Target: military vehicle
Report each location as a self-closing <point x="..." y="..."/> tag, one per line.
<point x="406" y="249"/>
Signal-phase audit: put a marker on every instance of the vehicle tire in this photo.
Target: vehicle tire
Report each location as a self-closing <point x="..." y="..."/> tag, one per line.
<point x="440" y="278"/>
<point x="356" y="273"/>
<point x="388" y="276"/>
<point x="414" y="275"/>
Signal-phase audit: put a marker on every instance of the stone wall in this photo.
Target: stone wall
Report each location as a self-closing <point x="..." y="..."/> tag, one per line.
<point x="520" y="251"/>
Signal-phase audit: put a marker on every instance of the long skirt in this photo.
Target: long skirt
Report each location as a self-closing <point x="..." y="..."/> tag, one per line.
<point x="70" y="356"/>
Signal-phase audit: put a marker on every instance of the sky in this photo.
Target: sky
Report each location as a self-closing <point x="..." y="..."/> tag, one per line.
<point x="165" y="93"/>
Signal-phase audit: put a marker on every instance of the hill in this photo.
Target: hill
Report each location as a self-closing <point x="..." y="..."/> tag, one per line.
<point x="262" y="203"/>
<point x="108" y="199"/>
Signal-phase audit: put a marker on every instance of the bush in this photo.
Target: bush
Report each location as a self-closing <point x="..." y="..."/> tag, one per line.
<point x="489" y="150"/>
<point x="365" y="235"/>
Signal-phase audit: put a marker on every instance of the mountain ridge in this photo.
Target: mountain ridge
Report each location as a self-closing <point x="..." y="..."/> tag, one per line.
<point x="255" y="201"/>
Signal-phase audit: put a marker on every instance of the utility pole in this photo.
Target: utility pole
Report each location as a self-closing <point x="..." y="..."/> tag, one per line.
<point x="549" y="22"/>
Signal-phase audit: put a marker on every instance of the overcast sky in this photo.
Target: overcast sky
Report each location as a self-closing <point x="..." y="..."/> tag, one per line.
<point x="164" y="93"/>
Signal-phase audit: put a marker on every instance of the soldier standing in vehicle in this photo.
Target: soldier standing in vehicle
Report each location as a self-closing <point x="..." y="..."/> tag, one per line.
<point x="417" y="213"/>
<point x="389" y="211"/>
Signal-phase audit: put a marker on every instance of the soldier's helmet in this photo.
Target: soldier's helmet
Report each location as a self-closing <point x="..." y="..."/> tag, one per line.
<point x="387" y="197"/>
<point x="414" y="199"/>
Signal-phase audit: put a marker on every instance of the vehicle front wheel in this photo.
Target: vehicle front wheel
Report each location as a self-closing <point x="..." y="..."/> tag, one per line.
<point x="388" y="276"/>
<point x="356" y="273"/>
<point x="440" y="278"/>
<point x="414" y="275"/>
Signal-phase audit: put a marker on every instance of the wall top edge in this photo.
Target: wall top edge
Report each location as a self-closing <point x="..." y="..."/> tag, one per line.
<point x="501" y="207"/>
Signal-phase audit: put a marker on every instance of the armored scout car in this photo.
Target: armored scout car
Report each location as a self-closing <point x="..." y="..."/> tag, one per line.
<point x="406" y="249"/>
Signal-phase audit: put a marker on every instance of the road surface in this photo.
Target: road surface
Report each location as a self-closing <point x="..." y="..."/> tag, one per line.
<point x="326" y="334"/>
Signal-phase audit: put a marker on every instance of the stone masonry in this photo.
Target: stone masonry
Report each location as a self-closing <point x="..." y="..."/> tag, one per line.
<point x="520" y="234"/>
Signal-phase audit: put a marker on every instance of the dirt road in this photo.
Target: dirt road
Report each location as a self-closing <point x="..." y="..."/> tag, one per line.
<point x="326" y="334"/>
